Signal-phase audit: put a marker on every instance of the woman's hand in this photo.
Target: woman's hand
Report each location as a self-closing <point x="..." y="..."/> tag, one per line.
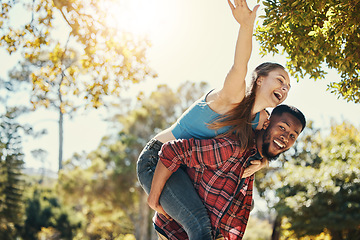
<point x="242" y="14"/>
<point x="255" y="166"/>
<point x="153" y="202"/>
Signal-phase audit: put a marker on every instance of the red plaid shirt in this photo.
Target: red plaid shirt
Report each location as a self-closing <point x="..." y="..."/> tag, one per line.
<point x="215" y="167"/>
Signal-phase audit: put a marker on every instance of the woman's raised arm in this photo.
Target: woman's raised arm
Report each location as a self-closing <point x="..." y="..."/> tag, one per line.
<point x="234" y="87"/>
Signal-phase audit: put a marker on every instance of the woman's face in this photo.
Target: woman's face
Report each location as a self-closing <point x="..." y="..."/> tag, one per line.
<point x="274" y="88"/>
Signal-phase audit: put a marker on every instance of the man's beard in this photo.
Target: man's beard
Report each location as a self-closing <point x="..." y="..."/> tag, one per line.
<point x="266" y="154"/>
<point x="266" y="145"/>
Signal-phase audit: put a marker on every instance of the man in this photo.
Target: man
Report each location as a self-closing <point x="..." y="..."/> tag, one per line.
<point x="215" y="167"/>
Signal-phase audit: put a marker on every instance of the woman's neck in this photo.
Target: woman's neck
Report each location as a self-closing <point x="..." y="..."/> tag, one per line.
<point x="258" y="106"/>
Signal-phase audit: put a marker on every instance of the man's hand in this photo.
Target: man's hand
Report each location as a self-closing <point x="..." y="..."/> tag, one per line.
<point x="255" y="166"/>
<point x="242" y="14"/>
<point x="153" y="202"/>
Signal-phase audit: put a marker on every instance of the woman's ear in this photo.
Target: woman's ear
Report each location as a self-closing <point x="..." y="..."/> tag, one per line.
<point x="259" y="81"/>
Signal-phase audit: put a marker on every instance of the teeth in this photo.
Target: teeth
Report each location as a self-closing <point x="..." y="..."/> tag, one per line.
<point x="278" y="95"/>
<point x="279" y="143"/>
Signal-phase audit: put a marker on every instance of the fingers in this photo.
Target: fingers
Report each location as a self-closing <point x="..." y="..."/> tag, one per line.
<point x="255" y="9"/>
<point x="240" y="3"/>
<point x="249" y="171"/>
<point x="246" y="174"/>
<point x="255" y="166"/>
<point x="162" y="211"/>
<point x="255" y="162"/>
<point x="153" y="202"/>
<point x="231" y="5"/>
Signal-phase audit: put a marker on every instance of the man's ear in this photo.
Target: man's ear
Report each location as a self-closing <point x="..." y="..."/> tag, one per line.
<point x="266" y="124"/>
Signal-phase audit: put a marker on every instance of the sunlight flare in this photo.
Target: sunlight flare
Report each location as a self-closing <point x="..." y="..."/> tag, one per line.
<point x="139" y="17"/>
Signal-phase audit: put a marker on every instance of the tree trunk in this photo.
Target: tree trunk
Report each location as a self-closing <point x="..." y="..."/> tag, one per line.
<point x="142" y="231"/>
<point x="61" y="138"/>
<point x="276" y="228"/>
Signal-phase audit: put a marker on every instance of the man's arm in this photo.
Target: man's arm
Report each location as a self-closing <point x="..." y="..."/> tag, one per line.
<point x="161" y="176"/>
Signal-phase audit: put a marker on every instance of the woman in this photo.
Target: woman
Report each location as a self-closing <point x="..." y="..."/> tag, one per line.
<point x="233" y="108"/>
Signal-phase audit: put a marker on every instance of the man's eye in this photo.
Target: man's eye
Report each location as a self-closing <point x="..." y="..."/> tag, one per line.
<point x="292" y="136"/>
<point x="282" y="128"/>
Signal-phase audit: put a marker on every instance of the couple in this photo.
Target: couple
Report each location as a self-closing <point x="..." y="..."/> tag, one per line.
<point x="216" y="139"/>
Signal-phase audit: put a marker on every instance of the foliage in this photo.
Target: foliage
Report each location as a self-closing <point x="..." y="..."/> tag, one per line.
<point x="71" y="53"/>
<point x="288" y="234"/>
<point x="45" y="216"/>
<point x="71" y="49"/>
<point x="88" y="184"/>
<point x="314" y="33"/>
<point x="11" y="182"/>
<point x="319" y="187"/>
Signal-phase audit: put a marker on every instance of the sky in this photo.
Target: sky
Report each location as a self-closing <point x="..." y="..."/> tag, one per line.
<point x="191" y="41"/>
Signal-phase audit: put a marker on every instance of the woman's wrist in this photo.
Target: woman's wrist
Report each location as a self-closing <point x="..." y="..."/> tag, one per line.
<point x="153" y="198"/>
<point x="247" y="27"/>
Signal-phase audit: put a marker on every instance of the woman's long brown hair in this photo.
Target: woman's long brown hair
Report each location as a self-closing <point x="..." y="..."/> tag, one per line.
<point x="240" y="118"/>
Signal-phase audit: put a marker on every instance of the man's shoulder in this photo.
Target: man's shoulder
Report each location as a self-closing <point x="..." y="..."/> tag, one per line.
<point x="230" y="140"/>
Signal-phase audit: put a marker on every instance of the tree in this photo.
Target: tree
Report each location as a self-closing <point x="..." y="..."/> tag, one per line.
<point x="44" y="213"/>
<point x="314" y="33"/>
<point x="319" y="186"/>
<point x="12" y="183"/>
<point x="11" y="165"/>
<point x="108" y="174"/>
<point x="85" y="63"/>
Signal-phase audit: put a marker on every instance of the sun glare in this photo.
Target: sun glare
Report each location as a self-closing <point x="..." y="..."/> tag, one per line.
<point x="137" y="16"/>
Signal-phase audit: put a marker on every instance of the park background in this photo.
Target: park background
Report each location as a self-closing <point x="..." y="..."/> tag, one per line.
<point x="189" y="48"/>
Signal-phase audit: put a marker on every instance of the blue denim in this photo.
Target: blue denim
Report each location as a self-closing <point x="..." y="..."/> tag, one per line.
<point x="178" y="198"/>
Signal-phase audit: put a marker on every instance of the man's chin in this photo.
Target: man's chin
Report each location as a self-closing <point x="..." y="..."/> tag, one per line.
<point x="266" y="153"/>
<point x="273" y="158"/>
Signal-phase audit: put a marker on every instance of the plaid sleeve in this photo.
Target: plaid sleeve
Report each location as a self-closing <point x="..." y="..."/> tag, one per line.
<point x="196" y="153"/>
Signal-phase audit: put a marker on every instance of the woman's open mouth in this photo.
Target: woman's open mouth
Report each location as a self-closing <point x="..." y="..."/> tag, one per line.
<point x="278" y="95"/>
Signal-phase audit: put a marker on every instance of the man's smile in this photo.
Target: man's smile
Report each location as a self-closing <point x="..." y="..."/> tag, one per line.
<point x="279" y="143"/>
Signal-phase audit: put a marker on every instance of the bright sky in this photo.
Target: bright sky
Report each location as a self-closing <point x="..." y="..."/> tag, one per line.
<point x="191" y="40"/>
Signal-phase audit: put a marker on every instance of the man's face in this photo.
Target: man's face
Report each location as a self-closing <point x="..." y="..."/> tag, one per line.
<point x="280" y="135"/>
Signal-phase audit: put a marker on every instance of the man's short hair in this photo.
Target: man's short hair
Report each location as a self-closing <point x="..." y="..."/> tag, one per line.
<point x="280" y="109"/>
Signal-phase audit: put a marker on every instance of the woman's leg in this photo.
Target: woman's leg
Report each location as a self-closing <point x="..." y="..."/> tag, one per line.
<point x="179" y="198"/>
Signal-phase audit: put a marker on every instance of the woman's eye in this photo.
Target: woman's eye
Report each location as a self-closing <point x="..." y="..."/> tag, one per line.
<point x="282" y="128"/>
<point x="280" y="80"/>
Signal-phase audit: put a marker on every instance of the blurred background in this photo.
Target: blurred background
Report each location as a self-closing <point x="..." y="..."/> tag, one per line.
<point x="85" y="84"/>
